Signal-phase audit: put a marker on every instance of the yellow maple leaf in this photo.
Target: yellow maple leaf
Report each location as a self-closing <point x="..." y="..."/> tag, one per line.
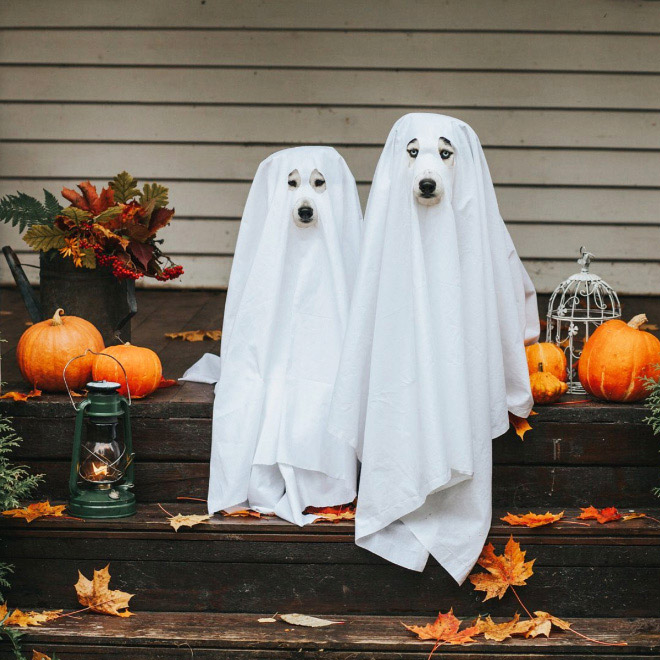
<point x="504" y="570"/>
<point x="25" y="619"/>
<point x="37" y="655"/>
<point x="195" y="335"/>
<point x="96" y="595"/>
<point x="21" y="396"/>
<point x="520" y="424"/>
<point x="37" y="510"/>
<point x="189" y="520"/>
<point x="542" y="623"/>
<point x="633" y="516"/>
<point x="498" y="632"/>
<point x="532" y="519"/>
<point x="242" y="513"/>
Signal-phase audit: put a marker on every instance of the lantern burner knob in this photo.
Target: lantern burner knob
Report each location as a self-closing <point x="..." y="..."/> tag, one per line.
<point x="103" y="386"/>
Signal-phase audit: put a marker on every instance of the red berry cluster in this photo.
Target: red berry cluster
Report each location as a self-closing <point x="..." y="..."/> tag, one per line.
<point x="119" y="268"/>
<point x="170" y="273"/>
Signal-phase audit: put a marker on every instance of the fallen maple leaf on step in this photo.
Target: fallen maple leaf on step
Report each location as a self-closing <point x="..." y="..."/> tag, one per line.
<point x="96" y="595"/>
<point x="608" y="514"/>
<point x="542" y="623"/>
<point x="37" y="655"/>
<point x="332" y="513"/>
<point x="25" y="619"/>
<point x="445" y="629"/>
<point x="520" y="424"/>
<point x="242" y="513"/>
<point x="308" y="621"/>
<point x="21" y="396"/>
<point x="167" y="382"/>
<point x="195" y="335"/>
<point x="504" y="570"/>
<point x="633" y="516"/>
<point x="532" y="519"/>
<point x="187" y="521"/>
<point x="498" y="632"/>
<point x="37" y="510"/>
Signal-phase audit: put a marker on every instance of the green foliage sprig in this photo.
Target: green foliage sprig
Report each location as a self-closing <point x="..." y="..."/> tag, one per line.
<point x="23" y="211"/>
<point x="653" y="404"/>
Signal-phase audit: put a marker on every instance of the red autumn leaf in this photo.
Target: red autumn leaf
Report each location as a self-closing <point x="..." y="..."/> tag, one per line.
<point x="143" y="252"/>
<point x="90" y="200"/>
<point x="445" y="629"/>
<point x="167" y="382"/>
<point x="20" y="396"/>
<point x="333" y="513"/>
<point x="608" y="514"/>
<point x="532" y="519"/>
<point x="159" y="219"/>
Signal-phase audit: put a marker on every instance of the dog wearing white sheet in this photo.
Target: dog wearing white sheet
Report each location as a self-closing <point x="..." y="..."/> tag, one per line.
<point x="434" y="355"/>
<point x="285" y="318"/>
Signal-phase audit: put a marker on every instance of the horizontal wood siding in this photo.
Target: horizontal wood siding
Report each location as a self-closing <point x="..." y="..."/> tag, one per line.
<point x="564" y="95"/>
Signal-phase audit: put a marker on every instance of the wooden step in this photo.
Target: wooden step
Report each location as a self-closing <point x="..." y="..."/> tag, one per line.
<point x="165" y="635"/>
<point x="248" y="565"/>
<point x="576" y="454"/>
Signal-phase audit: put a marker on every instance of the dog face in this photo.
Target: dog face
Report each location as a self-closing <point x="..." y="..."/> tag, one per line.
<point x="433" y="165"/>
<point x="304" y="210"/>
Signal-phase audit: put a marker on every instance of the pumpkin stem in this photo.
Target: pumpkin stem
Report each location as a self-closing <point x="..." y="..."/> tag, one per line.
<point x="540" y="366"/>
<point x="57" y="317"/>
<point x="637" y="321"/>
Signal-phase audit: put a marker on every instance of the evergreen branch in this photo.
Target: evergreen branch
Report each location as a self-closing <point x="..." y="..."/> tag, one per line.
<point x="23" y="211"/>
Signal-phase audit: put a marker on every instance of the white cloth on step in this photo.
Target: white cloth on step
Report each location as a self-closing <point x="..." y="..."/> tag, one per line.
<point x="434" y="352"/>
<point x="285" y="318"/>
<point x="205" y="370"/>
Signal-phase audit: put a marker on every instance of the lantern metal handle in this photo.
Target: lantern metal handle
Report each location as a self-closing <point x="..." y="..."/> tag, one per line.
<point x="89" y="350"/>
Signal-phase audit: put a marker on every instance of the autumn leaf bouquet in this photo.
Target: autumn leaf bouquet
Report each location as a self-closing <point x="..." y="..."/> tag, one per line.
<point x="115" y="228"/>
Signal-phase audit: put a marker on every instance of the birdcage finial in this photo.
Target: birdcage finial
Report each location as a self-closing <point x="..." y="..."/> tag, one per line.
<point x="585" y="259"/>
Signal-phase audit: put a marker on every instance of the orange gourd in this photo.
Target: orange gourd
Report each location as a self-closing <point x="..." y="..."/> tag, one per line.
<point x="546" y="387"/>
<point x="550" y="356"/>
<point x="617" y="357"/>
<point x="45" y="348"/>
<point x="143" y="369"/>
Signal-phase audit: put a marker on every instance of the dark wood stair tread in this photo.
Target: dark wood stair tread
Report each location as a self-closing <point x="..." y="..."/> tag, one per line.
<point x="369" y="634"/>
<point x="151" y="519"/>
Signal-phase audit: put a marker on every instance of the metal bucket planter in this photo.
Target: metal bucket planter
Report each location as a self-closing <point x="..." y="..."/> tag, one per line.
<point x="95" y="295"/>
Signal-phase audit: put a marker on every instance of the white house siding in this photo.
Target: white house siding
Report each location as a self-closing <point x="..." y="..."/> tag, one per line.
<point x="565" y="95"/>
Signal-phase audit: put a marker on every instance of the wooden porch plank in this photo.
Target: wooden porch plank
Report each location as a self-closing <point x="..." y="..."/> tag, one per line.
<point x="242" y="632"/>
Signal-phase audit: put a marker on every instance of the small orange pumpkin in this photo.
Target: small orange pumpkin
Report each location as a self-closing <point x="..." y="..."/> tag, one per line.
<point x="617" y="357"/>
<point x="44" y="349"/>
<point x="550" y="356"/>
<point x="143" y="369"/>
<point x="546" y="387"/>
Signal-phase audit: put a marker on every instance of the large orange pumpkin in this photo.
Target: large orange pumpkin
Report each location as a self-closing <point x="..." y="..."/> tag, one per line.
<point x="143" y="368"/>
<point x="550" y="356"/>
<point x="46" y="347"/>
<point x="616" y="358"/>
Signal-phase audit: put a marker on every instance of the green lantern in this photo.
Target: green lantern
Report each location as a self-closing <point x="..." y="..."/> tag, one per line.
<point x="101" y="476"/>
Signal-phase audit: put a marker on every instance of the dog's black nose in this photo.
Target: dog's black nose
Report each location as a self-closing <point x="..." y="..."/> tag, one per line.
<point x="305" y="213"/>
<point x="427" y="186"/>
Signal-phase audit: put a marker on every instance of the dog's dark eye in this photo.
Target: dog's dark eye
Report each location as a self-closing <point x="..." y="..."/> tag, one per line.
<point x="445" y="154"/>
<point x="293" y="183"/>
<point x="413" y="152"/>
<point x="318" y="182"/>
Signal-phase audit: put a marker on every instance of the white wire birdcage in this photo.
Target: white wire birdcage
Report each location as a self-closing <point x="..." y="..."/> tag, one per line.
<point x="576" y="308"/>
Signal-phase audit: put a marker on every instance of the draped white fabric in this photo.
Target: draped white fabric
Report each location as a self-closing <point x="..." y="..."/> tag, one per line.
<point x="285" y="319"/>
<point x="434" y="351"/>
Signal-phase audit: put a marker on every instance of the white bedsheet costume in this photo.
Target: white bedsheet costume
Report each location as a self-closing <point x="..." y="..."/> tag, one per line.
<point x="285" y="319"/>
<point x="434" y="354"/>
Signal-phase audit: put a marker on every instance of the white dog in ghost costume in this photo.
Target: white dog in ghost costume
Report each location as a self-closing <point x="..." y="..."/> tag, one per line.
<point x="434" y="355"/>
<point x="285" y="318"/>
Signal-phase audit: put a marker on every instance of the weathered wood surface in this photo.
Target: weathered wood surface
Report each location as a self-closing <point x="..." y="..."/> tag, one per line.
<point x="220" y="636"/>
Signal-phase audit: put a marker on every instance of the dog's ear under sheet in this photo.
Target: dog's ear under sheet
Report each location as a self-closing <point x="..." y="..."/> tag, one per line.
<point x="434" y="353"/>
